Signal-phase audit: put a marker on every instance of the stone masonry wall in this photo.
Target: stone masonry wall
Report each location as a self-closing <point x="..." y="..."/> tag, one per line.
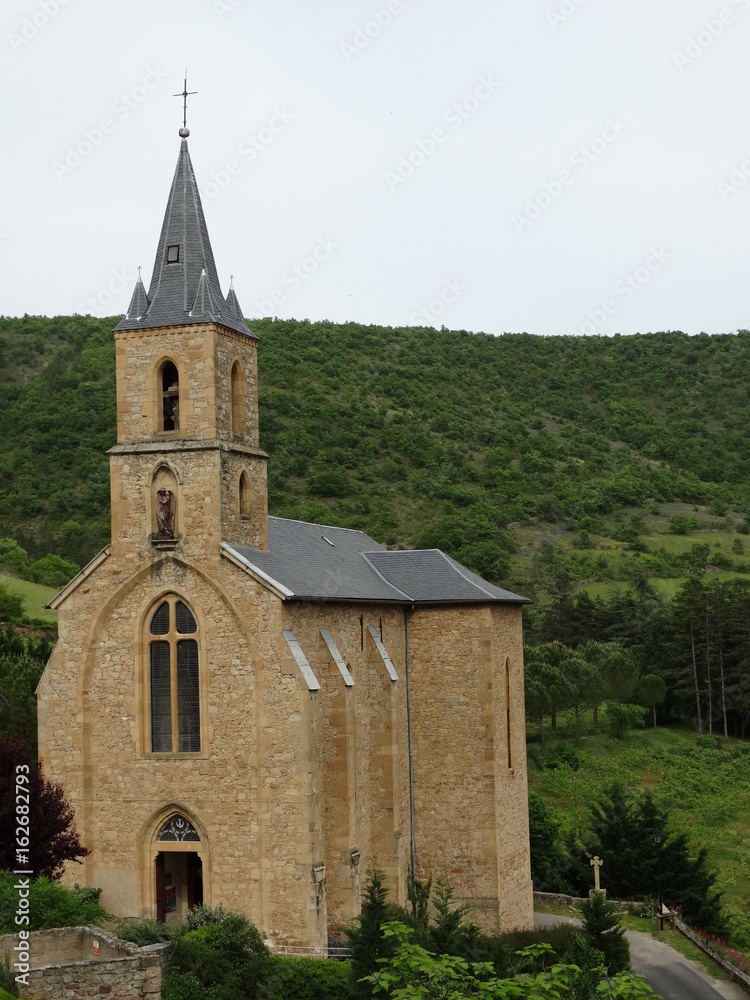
<point x="65" y="967"/>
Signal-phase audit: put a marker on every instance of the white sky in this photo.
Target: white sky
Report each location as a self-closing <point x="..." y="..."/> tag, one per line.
<point x="639" y="237"/>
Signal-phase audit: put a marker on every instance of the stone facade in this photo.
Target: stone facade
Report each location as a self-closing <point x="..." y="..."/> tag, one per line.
<point x="289" y="788"/>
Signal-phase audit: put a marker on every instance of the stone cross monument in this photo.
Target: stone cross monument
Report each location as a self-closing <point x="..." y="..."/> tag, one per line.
<point x="596" y="863"/>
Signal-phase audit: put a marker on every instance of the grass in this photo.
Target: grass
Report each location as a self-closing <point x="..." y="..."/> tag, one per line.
<point x="705" y="787"/>
<point x="35" y="597"/>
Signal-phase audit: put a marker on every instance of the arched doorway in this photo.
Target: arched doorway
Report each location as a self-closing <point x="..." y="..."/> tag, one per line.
<point x="178" y="868"/>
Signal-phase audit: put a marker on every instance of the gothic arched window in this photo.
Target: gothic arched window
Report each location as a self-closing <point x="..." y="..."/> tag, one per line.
<point x="169" y="386"/>
<point x="174" y="688"/>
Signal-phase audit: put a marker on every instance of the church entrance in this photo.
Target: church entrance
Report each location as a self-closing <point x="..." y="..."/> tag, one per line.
<point x="179" y="884"/>
<point x="178" y="870"/>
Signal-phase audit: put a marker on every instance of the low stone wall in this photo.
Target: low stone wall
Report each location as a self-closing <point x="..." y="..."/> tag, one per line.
<point x="73" y="963"/>
<point x="716" y="956"/>
<point x="559" y="899"/>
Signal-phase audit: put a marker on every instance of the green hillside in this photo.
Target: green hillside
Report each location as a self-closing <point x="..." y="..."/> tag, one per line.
<point x="485" y="446"/>
<point x="703" y="781"/>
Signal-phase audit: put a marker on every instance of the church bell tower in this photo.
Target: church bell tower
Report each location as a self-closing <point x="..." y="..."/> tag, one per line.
<point x="187" y="471"/>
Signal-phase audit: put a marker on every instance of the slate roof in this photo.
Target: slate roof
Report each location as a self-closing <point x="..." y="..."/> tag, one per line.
<point x="320" y="562"/>
<point x="188" y="291"/>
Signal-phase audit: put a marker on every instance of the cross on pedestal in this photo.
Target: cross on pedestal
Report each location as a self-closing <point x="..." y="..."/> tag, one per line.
<point x="596" y="864"/>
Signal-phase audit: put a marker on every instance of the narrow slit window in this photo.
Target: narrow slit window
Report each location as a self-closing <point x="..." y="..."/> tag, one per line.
<point x="174" y="679"/>
<point x="238" y="405"/>
<point x="508" y="715"/>
<point x="173" y="254"/>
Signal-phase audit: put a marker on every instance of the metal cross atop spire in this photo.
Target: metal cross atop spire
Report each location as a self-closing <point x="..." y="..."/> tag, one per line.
<point x="185" y="131"/>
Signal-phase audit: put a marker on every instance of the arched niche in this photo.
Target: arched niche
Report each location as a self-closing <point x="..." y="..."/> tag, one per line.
<point x="238" y="400"/>
<point x="245" y="495"/>
<point x="164" y="504"/>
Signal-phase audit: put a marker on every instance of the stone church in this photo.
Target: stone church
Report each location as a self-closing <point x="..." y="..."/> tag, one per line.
<point x="250" y="710"/>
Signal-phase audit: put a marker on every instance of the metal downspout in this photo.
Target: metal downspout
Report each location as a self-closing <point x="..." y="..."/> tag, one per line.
<point x="411" y="753"/>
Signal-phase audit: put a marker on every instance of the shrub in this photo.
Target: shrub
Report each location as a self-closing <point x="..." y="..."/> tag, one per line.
<point x="143" y="931"/>
<point x="50" y="905"/>
<point x="11" y="605"/>
<point x="556" y="754"/>
<point x="202" y="915"/>
<point x="8" y="984"/>
<point x="217" y="961"/>
<point x="287" y="978"/>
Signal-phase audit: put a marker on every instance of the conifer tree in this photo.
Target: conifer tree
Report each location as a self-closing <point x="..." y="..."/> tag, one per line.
<point x="366" y="941"/>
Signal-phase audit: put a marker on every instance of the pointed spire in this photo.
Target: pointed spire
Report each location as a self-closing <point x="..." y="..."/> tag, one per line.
<point x="139" y="302"/>
<point x="185" y="285"/>
<point x="203" y="304"/>
<point x="233" y="304"/>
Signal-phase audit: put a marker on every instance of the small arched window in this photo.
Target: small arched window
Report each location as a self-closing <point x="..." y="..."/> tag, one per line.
<point x="238" y="388"/>
<point x="246" y="496"/>
<point x="174" y="692"/>
<point x="170" y="397"/>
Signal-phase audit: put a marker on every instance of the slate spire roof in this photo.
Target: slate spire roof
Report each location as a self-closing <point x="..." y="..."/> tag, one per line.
<point x="185" y="285"/>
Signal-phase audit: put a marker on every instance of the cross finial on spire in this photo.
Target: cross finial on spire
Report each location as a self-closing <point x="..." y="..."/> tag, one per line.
<point x="185" y="93"/>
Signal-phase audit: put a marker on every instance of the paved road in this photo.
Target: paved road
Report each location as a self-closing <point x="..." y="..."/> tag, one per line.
<point x="664" y="969"/>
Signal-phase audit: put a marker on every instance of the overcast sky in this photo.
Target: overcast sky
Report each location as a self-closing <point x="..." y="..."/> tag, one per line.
<point x="550" y="166"/>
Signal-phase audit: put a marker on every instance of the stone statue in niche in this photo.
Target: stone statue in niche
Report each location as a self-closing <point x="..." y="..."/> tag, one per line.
<point x="165" y="514"/>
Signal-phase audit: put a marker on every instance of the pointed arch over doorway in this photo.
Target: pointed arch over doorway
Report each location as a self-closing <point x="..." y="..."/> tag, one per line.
<point x="175" y="864"/>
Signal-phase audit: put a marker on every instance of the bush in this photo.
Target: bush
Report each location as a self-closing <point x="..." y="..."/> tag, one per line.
<point x="11" y="605"/>
<point x="620" y="718"/>
<point x="144" y="931"/>
<point x="556" y="754"/>
<point x="216" y="961"/>
<point x="8" y="984"/>
<point x="53" y="571"/>
<point x="286" y="978"/>
<point x="50" y="905"/>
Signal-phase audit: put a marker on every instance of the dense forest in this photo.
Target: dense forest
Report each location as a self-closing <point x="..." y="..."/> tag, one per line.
<point x="418" y="436"/>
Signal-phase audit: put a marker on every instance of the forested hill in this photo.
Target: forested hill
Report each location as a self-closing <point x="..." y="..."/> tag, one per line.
<point x="468" y="442"/>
